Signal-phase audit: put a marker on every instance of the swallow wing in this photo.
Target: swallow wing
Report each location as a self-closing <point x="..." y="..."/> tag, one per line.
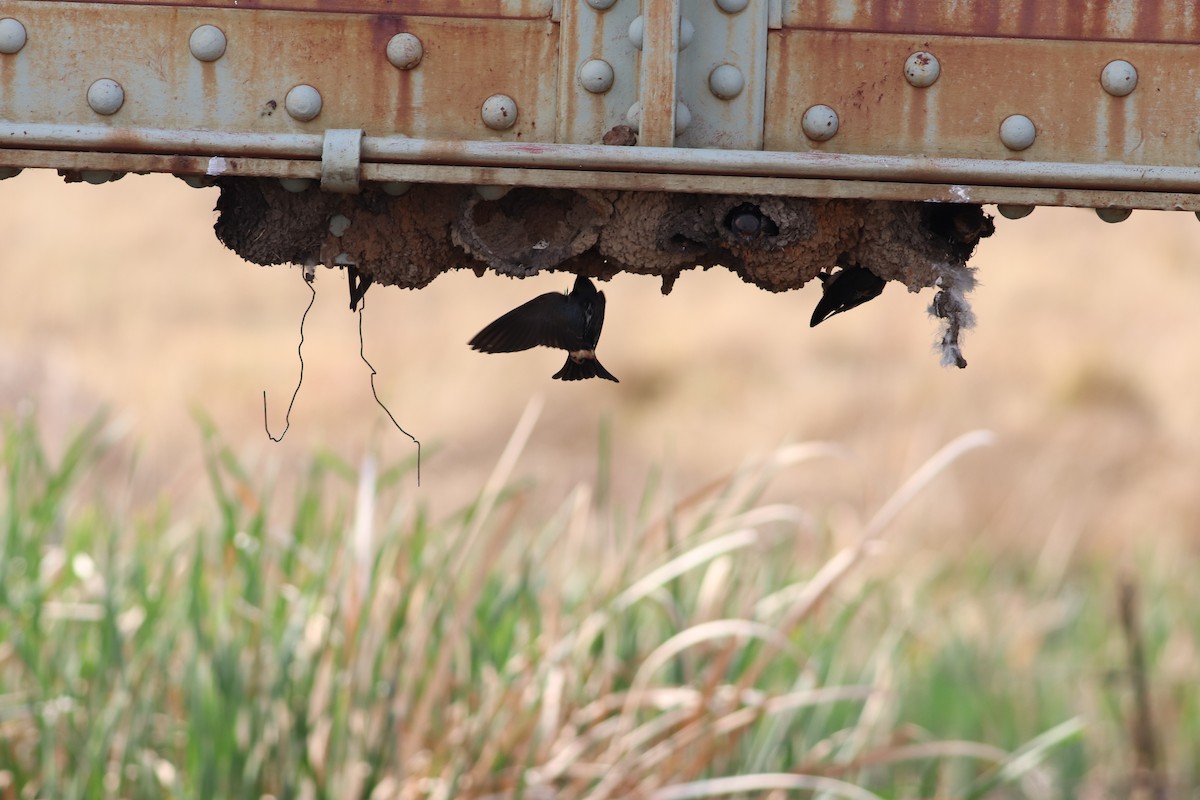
<point x="545" y="320"/>
<point x="593" y="322"/>
<point x="846" y="289"/>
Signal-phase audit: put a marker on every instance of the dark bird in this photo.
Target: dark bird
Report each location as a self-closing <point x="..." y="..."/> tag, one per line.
<point x="359" y="284"/>
<point x="845" y="289"/>
<point x="570" y="322"/>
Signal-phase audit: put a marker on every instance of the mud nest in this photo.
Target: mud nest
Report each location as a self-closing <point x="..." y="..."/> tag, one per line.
<point x="776" y="243"/>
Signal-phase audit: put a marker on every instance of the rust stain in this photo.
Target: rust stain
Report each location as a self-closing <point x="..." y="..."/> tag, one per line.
<point x="1166" y="21"/>
<point x="524" y="9"/>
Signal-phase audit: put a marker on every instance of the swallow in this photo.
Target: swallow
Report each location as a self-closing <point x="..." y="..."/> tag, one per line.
<point x="845" y="289"/>
<point x="359" y="284"/>
<point x="570" y="322"/>
<point x="748" y="221"/>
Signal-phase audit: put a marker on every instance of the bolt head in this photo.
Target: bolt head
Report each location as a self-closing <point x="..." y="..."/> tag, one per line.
<point x="303" y="102"/>
<point x="106" y="96"/>
<point x="396" y="188"/>
<point x="601" y="5"/>
<point x="207" y="43"/>
<point x="732" y="6"/>
<point x="295" y="185"/>
<point x="499" y="112"/>
<point x="1114" y="214"/>
<point x="683" y="118"/>
<point x="1009" y="211"/>
<point x="633" y="117"/>
<point x="1119" y="78"/>
<point x="596" y="76"/>
<point x="637" y="32"/>
<point x="1017" y="132"/>
<point x="491" y="191"/>
<point x="819" y="123"/>
<point x="405" y="51"/>
<point x="922" y="69"/>
<point x="726" y="81"/>
<point x="12" y="36"/>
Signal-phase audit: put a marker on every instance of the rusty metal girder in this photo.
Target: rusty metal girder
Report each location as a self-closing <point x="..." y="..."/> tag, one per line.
<point x="1008" y="102"/>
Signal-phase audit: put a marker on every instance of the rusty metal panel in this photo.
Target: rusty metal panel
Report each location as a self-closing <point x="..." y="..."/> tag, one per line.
<point x="145" y="49"/>
<point x="1056" y="84"/>
<point x="1130" y="20"/>
<point x="520" y="9"/>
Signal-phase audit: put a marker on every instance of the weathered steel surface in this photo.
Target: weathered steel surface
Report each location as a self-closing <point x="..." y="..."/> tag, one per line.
<point x="659" y="73"/>
<point x="1130" y="20"/>
<point x="521" y="9"/>
<point x="588" y="34"/>
<point x="983" y="81"/>
<point x="737" y="41"/>
<point x="1091" y="146"/>
<point x="145" y="49"/>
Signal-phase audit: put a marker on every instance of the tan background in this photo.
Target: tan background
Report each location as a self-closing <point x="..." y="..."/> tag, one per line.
<point x="1085" y="362"/>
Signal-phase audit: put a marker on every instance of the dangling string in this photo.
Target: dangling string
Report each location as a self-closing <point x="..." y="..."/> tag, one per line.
<point x="309" y="274"/>
<point x="362" y="354"/>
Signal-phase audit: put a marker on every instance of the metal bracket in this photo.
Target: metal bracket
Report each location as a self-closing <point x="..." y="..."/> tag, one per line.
<point x="723" y="74"/>
<point x="341" y="157"/>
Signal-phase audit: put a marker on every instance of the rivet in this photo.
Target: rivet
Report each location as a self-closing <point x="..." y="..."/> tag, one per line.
<point x="99" y="176"/>
<point x="499" y="112"/>
<point x="491" y="191"/>
<point x="405" y="51"/>
<point x="396" y="188"/>
<point x="732" y="6"/>
<point x="637" y="32"/>
<point x="683" y="118"/>
<point x="295" y="185"/>
<point x="339" y="224"/>
<point x="922" y="69"/>
<point x="819" y="123"/>
<point x="1119" y="78"/>
<point x="303" y="102"/>
<point x="596" y="76"/>
<point x="1009" y="211"/>
<point x="106" y="96"/>
<point x="196" y="181"/>
<point x="12" y="36"/>
<point x="207" y="43"/>
<point x="9" y="172"/>
<point x="601" y="5"/>
<point x="1114" y="214"/>
<point x="726" y="81"/>
<point x="633" y="117"/>
<point x="1017" y="132"/>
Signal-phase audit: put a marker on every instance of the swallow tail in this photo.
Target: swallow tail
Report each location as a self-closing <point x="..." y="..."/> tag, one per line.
<point x="586" y="368"/>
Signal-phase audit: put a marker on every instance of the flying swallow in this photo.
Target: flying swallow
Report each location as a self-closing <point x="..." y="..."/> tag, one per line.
<point x="570" y="322"/>
<point x="845" y="289"/>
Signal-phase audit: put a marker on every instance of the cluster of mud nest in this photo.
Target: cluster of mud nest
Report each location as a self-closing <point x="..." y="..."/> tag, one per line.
<point x="776" y="243"/>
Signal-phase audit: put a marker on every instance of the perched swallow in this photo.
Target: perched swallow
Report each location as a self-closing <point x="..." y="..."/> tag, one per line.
<point x="845" y="289"/>
<point x="747" y="220"/>
<point x="570" y="322"/>
<point x="359" y="284"/>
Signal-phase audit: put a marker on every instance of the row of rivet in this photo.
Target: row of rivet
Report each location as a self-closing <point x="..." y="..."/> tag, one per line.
<point x="921" y="70"/>
<point x="303" y="102"/>
<point x="725" y="81"/>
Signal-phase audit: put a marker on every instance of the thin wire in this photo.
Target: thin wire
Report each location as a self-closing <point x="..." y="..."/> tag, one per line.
<point x="362" y="354"/>
<point x="299" y="353"/>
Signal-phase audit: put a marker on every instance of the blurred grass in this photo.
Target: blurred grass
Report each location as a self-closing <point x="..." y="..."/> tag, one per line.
<point x="693" y="646"/>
